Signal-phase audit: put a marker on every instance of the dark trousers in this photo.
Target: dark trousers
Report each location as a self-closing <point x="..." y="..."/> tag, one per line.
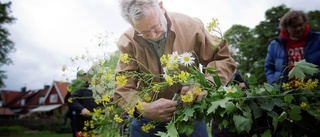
<point x="200" y="129"/>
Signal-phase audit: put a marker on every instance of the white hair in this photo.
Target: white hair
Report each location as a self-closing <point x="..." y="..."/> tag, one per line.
<point x="135" y="10"/>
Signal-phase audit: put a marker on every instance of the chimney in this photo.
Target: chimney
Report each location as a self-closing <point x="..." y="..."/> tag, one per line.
<point x="23" y="89"/>
<point x="46" y="86"/>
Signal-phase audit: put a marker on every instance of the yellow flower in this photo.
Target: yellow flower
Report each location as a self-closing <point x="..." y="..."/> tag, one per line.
<point x="121" y="80"/>
<point x="110" y="108"/>
<point x="98" y="101"/>
<point x="188" y="98"/>
<point x="70" y="100"/>
<point x="91" y="124"/>
<point x="146" y="97"/>
<point x="86" y="125"/>
<point x="124" y="58"/>
<point x="303" y="105"/>
<point x="213" y="24"/>
<point x="156" y="88"/>
<point x="183" y="76"/>
<point x="147" y="127"/>
<point x="106" y="98"/>
<point x="286" y="86"/>
<point x="197" y="90"/>
<point x="169" y="80"/>
<point x="69" y="89"/>
<point x="164" y="59"/>
<point x="117" y="118"/>
<point x="93" y="81"/>
<point x="81" y="133"/>
<point x="108" y="76"/>
<point x="172" y="65"/>
<point x="139" y="105"/>
<point x="130" y="111"/>
<point x="311" y="84"/>
<point x="96" y="112"/>
<point x="298" y="83"/>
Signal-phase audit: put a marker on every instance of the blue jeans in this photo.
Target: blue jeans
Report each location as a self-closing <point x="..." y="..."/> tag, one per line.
<point x="200" y="129"/>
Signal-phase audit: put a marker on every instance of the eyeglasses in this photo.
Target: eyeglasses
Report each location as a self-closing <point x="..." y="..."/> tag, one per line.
<point x="153" y="29"/>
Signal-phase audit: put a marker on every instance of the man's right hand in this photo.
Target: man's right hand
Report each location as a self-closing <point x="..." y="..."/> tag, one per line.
<point x="85" y="112"/>
<point x="160" y="110"/>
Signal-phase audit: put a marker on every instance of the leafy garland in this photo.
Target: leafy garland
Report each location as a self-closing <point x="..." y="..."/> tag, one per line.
<point x="263" y="110"/>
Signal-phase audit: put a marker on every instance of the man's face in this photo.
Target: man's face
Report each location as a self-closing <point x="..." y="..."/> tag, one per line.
<point x="297" y="28"/>
<point x="152" y="27"/>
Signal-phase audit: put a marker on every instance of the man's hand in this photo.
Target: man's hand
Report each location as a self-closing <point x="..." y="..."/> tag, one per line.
<point x="85" y="112"/>
<point x="160" y="110"/>
<point x="191" y="88"/>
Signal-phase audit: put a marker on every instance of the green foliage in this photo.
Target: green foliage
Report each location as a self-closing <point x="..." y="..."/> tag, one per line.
<point x="263" y="110"/>
<point x="7" y="45"/>
<point x="113" y="60"/>
<point x="314" y="19"/>
<point x="303" y="68"/>
<point x="75" y="85"/>
<point x="12" y="128"/>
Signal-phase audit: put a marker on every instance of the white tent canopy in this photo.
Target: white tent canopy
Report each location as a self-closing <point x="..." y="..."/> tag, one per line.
<point x="45" y="108"/>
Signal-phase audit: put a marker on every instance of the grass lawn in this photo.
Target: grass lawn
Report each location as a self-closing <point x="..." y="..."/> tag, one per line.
<point x="39" y="135"/>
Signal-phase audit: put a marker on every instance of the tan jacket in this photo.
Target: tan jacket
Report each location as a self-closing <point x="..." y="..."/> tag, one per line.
<point x="185" y="34"/>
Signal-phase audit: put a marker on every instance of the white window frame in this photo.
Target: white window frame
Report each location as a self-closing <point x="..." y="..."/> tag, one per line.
<point x="53" y="98"/>
<point x="41" y="100"/>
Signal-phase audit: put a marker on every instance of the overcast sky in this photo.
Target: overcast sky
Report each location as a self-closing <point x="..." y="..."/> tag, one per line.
<point x="47" y="33"/>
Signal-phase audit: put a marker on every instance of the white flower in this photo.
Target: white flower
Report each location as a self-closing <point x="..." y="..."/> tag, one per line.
<point x="174" y="57"/>
<point x="201" y="68"/>
<point x="186" y="59"/>
<point x="229" y="89"/>
<point x="165" y="70"/>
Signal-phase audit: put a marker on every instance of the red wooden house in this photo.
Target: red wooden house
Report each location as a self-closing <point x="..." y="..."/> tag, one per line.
<point x="52" y="100"/>
<point x="45" y="102"/>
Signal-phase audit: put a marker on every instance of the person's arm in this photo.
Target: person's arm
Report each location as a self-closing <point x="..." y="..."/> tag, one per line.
<point x="127" y="95"/>
<point x="75" y="103"/>
<point x="213" y="53"/>
<point x="269" y="64"/>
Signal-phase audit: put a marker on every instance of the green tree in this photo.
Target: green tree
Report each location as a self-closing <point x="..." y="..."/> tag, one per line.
<point x="241" y="38"/>
<point x="113" y="60"/>
<point x="252" y="44"/>
<point x="6" y="45"/>
<point x="314" y="20"/>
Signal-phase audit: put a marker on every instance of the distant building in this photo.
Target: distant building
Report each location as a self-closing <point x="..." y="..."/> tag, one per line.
<point x="41" y="103"/>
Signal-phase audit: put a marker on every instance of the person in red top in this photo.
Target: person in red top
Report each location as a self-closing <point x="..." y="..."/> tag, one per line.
<point x="296" y="38"/>
<point x="295" y="43"/>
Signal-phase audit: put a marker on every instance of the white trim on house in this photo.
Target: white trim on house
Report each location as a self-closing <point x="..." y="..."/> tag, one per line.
<point x="45" y="108"/>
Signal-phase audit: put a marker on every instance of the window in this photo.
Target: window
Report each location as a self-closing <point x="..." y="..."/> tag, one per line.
<point x="53" y="98"/>
<point x="23" y="102"/>
<point x="41" y="100"/>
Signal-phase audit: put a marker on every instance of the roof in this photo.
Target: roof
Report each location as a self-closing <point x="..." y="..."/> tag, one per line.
<point x="6" y="111"/>
<point x="8" y="95"/>
<point x="41" y="93"/>
<point x="45" y="108"/>
<point x="61" y="88"/>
